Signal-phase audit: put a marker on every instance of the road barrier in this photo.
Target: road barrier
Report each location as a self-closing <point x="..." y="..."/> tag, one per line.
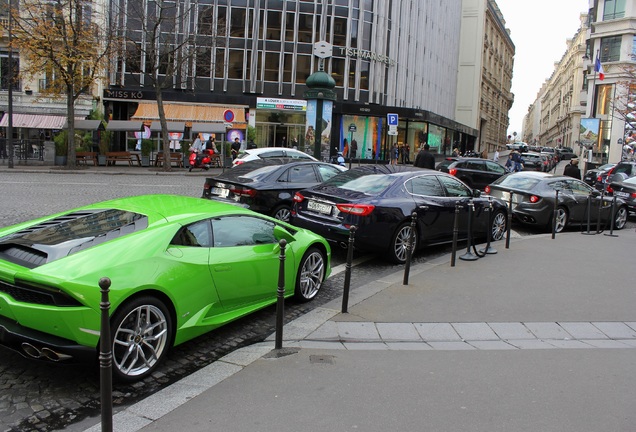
<point x="469" y="256"/>
<point x="488" y="249"/>
<point x="613" y="215"/>
<point x="347" y="281"/>
<point x="589" y="213"/>
<point x="554" y="213"/>
<point x="509" y="224"/>
<point x="455" y="234"/>
<point x="280" y="297"/>
<point x="105" y="359"/>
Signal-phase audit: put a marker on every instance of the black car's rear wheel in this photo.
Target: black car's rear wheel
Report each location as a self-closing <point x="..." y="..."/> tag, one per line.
<point x="311" y="275"/>
<point x="620" y="218"/>
<point x="499" y="225"/>
<point x="142" y="335"/>
<point x="282" y="212"/>
<point x="399" y="241"/>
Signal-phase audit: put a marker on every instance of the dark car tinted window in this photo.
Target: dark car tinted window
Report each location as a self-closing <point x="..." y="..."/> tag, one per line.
<point x="495" y="167"/>
<point x="454" y="187"/>
<point x="361" y="181"/>
<point x="626" y="168"/>
<point x="475" y="165"/>
<point x="327" y="171"/>
<point x="424" y="185"/>
<point x="303" y="174"/>
<point x="271" y="154"/>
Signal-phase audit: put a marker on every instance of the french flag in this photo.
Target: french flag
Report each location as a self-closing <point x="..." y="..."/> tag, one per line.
<point x="598" y="68"/>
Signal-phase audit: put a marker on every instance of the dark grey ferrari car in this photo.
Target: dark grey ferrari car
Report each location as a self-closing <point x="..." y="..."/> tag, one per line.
<point x="533" y="201"/>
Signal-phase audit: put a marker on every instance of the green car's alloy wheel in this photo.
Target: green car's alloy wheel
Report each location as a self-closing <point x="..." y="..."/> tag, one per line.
<point x="142" y="332"/>
<point x="498" y="228"/>
<point x="311" y="274"/>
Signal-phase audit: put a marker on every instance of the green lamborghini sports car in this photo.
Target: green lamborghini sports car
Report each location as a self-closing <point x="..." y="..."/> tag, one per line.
<point x="179" y="267"/>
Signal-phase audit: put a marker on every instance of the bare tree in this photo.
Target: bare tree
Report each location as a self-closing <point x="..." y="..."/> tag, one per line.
<point x="161" y="40"/>
<point x="67" y="41"/>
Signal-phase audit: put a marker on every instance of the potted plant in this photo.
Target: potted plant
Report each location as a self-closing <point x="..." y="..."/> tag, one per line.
<point x="104" y="144"/>
<point x="146" y="148"/>
<point x="61" y="147"/>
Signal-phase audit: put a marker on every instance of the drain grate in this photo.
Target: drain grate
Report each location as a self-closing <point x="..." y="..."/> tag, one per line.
<point x="324" y="359"/>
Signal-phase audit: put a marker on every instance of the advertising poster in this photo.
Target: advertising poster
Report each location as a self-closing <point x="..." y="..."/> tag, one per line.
<point x="589" y="131"/>
<point x="310" y="127"/>
<point x="325" y="135"/>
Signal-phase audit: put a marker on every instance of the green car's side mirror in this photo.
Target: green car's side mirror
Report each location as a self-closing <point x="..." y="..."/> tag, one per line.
<point x="282" y="233"/>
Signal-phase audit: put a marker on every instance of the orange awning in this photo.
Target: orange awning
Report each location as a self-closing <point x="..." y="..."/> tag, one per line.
<point x="190" y="113"/>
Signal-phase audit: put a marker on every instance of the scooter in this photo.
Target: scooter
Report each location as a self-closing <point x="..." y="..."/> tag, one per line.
<point x="200" y="160"/>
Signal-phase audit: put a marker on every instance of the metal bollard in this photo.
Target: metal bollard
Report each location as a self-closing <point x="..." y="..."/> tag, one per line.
<point x="554" y="215"/>
<point x="589" y="212"/>
<point x="613" y="214"/>
<point x="280" y="296"/>
<point x="105" y="358"/>
<point x="347" y="281"/>
<point x="455" y="234"/>
<point x="469" y="256"/>
<point x="508" y="228"/>
<point x="409" y="247"/>
<point x="489" y="249"/>
<point x="598" y="216"/>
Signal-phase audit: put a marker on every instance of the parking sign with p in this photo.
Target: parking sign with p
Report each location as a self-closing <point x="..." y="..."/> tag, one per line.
<point x="392" y="119"/>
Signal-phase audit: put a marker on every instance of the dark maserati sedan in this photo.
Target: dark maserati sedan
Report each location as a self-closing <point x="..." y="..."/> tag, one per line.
<point x="380" y="199"/>
<point x="268" y="186"/>
<point x="534" y="195"/>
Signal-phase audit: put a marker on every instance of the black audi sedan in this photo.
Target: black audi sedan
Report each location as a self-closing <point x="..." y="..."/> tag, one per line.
<point x="267" y="186"/>
<point x="534" y="195"/>
<point x="379" y="201"/>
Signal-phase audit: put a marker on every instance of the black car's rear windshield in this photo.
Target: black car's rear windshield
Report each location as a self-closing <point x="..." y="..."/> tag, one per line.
<point x="517" y="182"/>
<point x="361" y="181"/>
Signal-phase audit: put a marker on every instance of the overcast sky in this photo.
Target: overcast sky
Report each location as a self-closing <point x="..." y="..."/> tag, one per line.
<point x="539" y="29"/>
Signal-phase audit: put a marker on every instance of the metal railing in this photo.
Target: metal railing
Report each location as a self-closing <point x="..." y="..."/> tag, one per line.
<point x="23" y="149"/>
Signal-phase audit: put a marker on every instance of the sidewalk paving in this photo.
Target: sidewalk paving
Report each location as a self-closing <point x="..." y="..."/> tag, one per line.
<point x="539" y="336"/>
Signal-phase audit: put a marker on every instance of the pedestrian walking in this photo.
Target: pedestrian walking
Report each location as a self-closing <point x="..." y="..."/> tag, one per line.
<point x="395" y="151"/>
<point x="425" y="158"/>
<point x="572" y="169"/>
<point x="495" y="157"/>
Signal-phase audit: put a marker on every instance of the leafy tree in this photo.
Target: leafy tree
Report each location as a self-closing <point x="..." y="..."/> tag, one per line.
<point x="68" y="42"/>
<point x="160" y="41"/>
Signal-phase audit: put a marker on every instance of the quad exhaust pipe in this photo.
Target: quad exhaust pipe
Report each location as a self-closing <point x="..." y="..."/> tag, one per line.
<point x="44" y="353"/>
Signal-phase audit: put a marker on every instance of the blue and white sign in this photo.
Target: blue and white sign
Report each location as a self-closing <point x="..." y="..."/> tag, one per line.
<point x="392" y="119"/>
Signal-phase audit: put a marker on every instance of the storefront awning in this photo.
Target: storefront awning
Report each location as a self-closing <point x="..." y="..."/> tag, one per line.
<point x="172" y="126"/>
<point x="124" y="125"/>
<point x="86" y="125"/>
<point x="34" y="121"/>
<point x="215" y="128"/>
<point x="191" y="113"/>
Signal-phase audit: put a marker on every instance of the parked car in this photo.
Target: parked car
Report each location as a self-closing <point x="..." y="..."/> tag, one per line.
<point x="554" y="156"/>
<point x="534" y="194"/>
<point x="519" y="146"/>
<point x="268" y="186"/>
<point x="621" y="171"/>
<point x="625" y="190"/>
<point x="178" y="266"/>
<point x="379" y="200"/>
<point x="475" y="172"/>
<point x="535" y="162"/>
<point x="565" y="153"/>
<point x="270" y="152"/>
<point x="592" y="176"/>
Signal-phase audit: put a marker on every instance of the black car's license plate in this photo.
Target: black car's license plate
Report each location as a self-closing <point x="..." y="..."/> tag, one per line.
<point x="621" y="194"/>
<point x="319" y="207"/>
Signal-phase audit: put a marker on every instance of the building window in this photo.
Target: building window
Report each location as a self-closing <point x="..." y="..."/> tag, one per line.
<point x="272" y="66"/>
<point x="611" y="49"/>
<point x="237" y="22"/>
<point x="303" y="65"/>
<point x="4" y="71"/>
<point x="613" y="9"/>
<point x="235" y="64"/>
